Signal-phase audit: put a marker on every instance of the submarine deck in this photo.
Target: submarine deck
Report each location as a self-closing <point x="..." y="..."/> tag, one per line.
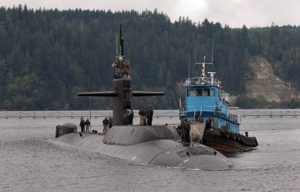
<point x="142" y="144"/>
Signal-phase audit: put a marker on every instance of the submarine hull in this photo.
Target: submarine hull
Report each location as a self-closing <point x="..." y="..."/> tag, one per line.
<point x="154" y="145"/>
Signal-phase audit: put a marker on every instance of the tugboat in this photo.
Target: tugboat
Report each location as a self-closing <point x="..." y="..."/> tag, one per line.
<point x="154" y="145"/>
<point x="207" y="102"/>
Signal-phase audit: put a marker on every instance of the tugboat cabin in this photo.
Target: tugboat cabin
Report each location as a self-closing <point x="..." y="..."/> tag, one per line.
<point x="204" y="97"/>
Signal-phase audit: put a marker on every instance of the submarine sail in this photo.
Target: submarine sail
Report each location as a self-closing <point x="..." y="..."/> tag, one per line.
<point x="122" y="87"/>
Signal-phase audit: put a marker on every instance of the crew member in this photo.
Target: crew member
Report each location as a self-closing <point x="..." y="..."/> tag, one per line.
<point x="82" y="124"/>
<point x="105" y="125"/>
<point x="150" y="115"/>
<point x="187" y="132"/>
<point x="180" y="130"/>
<point x="200" y="120"/>
<point x="208" y="123"/>
<point x="130" y="115"/>
<point x="142" y="115"/>
<point x="146" y="116"/>
<point x="87" y="125"/>
<point x="110" y="122"/>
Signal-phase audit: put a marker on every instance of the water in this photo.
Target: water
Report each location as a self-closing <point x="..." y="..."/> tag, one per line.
<point x="29" y="161"/>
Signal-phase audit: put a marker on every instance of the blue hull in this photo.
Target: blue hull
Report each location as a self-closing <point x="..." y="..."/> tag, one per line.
<point x="232" y="125"/>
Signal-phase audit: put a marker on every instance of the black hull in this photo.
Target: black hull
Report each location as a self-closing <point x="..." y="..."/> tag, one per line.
<point x="228" y="142"/>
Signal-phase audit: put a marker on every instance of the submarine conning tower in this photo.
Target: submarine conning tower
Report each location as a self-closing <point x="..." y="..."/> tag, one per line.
<point x="122" y="87"/>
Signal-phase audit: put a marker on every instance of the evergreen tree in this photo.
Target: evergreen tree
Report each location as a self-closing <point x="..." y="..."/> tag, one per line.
<point x="48" y="56"/>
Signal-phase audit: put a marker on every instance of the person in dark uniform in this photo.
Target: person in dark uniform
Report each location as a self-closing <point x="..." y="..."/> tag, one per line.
<point x="110" y="122"/>
<point x="182" y="131"/>
<point x="82" y="123"/>
<point x="129" y="114"/>
<point x="131" y="117"/>
<point x="150" y="115"/>
<point x="187" y="132"/>
<point x="208" y="123"/>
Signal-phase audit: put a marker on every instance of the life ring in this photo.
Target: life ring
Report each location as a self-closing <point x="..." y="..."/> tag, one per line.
<point x="232" y="135"/>
<point x="246" y="140"/>
<point x="235" y="136"/>
<point x="238" y="137"/>
<point x="243" y="139"/>
<point x="225" y="133"/>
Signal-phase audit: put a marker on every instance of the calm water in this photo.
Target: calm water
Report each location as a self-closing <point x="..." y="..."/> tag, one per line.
<point x="29" y="161"/>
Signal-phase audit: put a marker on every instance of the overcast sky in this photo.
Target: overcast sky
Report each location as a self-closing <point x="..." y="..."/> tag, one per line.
<point x="235" y="13"/>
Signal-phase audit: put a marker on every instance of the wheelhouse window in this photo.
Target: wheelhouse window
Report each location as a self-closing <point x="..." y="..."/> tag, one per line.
<point x="198" y="92"/>
<point x="192" y="92"/>
<point x="212" y="92"/>
<point x="206" y="92"/>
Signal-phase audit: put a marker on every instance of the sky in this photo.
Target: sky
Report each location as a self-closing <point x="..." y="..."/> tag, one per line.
<point x="235" y="13"/>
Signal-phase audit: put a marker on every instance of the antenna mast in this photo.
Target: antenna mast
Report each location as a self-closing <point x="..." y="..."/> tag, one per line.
<point x="212" y="52"/>
<point x="203" y="65"/>
<point x="189" y="66"/>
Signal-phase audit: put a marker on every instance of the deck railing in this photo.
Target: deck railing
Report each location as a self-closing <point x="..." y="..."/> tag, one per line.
<point x="158" y="113"/>
<point x="202" y="81"/>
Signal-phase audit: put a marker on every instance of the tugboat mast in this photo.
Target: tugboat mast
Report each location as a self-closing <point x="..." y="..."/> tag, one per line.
<point x="203" y="75"/>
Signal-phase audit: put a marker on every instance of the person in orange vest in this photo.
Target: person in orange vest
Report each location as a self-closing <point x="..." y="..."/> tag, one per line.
<point x="200" y="119"/>
<point x="208" y="123"/>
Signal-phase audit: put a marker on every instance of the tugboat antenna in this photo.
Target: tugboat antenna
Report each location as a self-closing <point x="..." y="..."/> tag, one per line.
<point x="203" y="62"/>
<point x="212" y="52"/>
<point x="117" y="43"/>
<point x="189" y="66"/>
<point x="195" y="50"/>
<point x="195" y="56"/>
<point x="203" y="67"/>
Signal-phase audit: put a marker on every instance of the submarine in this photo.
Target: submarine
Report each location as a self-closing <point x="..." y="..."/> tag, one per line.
<point x="151" y="145"/>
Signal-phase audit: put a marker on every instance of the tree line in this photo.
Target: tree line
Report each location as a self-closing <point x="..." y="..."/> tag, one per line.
<point x="48" y="56"/>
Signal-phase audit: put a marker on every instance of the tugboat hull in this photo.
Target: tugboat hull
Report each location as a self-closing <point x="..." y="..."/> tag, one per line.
<point x="228" y="142"/>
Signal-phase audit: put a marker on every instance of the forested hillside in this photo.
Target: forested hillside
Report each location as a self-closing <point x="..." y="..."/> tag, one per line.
<point x="47" y="56"/>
